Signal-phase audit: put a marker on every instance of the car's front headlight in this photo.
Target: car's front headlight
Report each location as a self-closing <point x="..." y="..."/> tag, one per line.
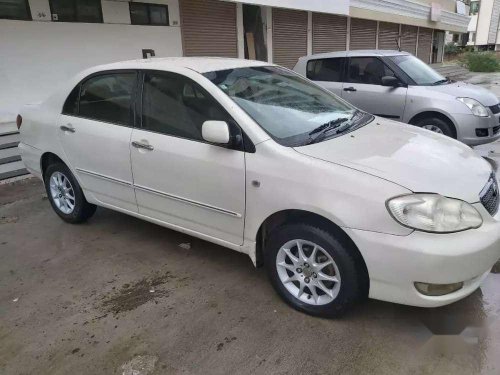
<point x="434" y="213"/>
<point x="476" y="108"/>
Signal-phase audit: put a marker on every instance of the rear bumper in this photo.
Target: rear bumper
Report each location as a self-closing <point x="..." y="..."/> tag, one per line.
<point x="395" y="263"/>
<point x="31" y="157"/>
<point x="467" y="125"/>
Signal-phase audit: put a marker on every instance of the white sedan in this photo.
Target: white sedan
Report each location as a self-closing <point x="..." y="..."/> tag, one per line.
<point x="337" y="204"/>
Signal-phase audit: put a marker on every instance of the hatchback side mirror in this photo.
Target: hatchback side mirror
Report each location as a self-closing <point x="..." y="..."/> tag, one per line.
<point x="215" y="132"/>
<point x="391" y="81"/>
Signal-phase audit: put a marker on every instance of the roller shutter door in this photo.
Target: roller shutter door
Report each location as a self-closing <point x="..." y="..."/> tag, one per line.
<point x="208" y="28"/>
<point x="409" y="38"/>
<point x="388" y="35"/>
<point x="363" y="34"/>
<point x="289" y="36"/>
<point x="424" y="44"/>
<point x="329" y="33"/>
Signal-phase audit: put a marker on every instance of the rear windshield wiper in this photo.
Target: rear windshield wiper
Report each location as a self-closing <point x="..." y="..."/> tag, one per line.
<point x="320" y="131"/>
<point x="441" y="81"/>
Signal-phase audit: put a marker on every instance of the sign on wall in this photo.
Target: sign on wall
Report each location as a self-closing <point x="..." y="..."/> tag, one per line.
<point x="323" y="6"/>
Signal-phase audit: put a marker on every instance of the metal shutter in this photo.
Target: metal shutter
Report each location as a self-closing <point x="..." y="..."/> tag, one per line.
<point x="388" y="35"/>
<point x="424" y="44"/>
<point x="409" y="39"/>
<point x="208" y="28"/>
<point x="363" y="34"/>
<point x="289" y="36"/>
<point x="329" y="33"/>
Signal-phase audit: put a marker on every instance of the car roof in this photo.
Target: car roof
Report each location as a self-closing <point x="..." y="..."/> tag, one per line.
<point x="198" y="64"/>
<point x="355" y="53"/>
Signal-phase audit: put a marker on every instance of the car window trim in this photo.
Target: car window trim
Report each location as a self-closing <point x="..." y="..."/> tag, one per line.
<point x="342" y="70"/>
<point x="367" y="57"/>
<point x="246" y="145"/>
<point x="133" y="97"/>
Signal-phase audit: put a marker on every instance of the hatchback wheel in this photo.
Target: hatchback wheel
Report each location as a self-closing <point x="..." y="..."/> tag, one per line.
<point x="436" y="125"/>
<point x="65" y="194"/>
<point x="312" y="270"/>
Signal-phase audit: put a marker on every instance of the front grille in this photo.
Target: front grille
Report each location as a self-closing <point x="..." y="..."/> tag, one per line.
<point x="496" y="129"/>
<point x="489" y="196"/>
<point x="495" y="108"/>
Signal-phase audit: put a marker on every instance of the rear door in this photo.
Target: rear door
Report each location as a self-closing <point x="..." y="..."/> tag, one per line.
<point x="179" y="178"/>
<point x="363" y="88"/>
<point x="95" y="130"/>
<point x="328" y="72"/>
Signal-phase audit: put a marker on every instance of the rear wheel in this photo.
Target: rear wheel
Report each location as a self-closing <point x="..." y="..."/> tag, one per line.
<point x="312" y="270"/>
<point x="65" y="194"/>
<point x="436" y="125"/>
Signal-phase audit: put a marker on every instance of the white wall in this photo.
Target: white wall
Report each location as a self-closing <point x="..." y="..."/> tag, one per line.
<point x="35" y="56"/>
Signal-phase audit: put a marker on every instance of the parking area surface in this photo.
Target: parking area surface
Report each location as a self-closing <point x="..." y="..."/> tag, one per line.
<point x="118" y="294"/>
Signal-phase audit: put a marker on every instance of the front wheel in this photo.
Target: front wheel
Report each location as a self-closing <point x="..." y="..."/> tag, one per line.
<point x="312" y="270"/>
<point x="436" y="125"/>
<point x="65" y="194"/>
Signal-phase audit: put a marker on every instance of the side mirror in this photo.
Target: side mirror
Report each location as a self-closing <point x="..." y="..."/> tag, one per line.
<point x="391" y="81"/>
<point x="215" y="132"/>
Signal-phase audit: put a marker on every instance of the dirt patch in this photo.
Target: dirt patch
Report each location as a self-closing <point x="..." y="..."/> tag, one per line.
<point x="131" y="296"/>
<point x="8" y="220"/>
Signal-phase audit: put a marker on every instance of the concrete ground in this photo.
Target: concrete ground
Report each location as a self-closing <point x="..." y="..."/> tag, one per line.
<point x="120" y="296"/>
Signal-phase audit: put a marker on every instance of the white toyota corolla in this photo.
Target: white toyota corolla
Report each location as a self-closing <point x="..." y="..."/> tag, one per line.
<point x="337" y="204"/>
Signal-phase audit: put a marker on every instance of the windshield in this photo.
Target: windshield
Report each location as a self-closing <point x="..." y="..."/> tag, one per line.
<point x="285" y="105"/>
<point x="417" y="70"/>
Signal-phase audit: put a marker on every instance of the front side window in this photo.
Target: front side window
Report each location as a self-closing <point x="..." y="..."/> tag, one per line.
<point x="108" y="98"/>
<point x="148" y="14"/>
<point x="421" y="73"/>
<point x="367" y="70"/>
<point x="287" y="106"/>
<point x="15" y="9"/>
<point x="175" y="105"/>
<point x="76" y="11"/>
<point x="328" y="70"/>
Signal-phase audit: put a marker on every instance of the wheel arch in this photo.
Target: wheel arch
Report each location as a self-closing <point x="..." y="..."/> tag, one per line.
<point x="426" y="114"/>
<point x="47" y="159"/>
<point x="294" y="216"/>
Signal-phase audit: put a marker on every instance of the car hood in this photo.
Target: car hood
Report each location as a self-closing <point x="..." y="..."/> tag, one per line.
<point x="414" y="158"/>
<point x="467" y="90"/>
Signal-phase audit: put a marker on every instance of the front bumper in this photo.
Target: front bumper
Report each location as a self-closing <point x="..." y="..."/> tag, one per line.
<point x="395" y="262"/>
<point x="468" y="123"/>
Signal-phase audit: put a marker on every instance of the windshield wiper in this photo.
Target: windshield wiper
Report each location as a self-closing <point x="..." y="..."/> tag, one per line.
<point x="440" y="82"/>
<point x="327" y="127"/>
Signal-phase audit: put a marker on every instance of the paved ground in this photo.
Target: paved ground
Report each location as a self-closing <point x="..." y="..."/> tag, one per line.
<point x="118" y="294"/>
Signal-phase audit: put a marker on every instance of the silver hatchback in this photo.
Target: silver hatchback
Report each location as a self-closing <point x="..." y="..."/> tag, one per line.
<point x="399" y="86"/>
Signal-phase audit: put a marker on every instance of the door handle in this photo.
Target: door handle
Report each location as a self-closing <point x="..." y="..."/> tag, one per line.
<point x="142" y="145"/>
<point x="352" y="89"/>
<point x="67" y="128"/>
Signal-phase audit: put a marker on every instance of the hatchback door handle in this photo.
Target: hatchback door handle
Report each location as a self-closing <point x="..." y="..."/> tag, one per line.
<point x="67" y="128"/>
<point x="142" y="145"/>
<point x="350" y="89"/>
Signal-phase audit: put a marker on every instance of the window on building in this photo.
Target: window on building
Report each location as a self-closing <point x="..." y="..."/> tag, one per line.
<point x="148" y="14"/>
<point x="76" y="11"/>
<point x="108" y="98"/>
<point x="175" y="105"/>
<point x="326" y="69"/>
<point x="15" y="9"/>
<point x="368" y="70"/>
<point x="474" y="7"/>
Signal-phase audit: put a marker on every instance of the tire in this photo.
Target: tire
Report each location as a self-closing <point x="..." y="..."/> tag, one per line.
<point x="342" y="295"/>
<point x="440" y="126"/>
<point x="75" y="208"/>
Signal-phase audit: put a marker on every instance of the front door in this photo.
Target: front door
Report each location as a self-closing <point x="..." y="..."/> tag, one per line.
<point x="95" y="130"/>
<point x="179" y="178"/>
<point x="363" y="88"/>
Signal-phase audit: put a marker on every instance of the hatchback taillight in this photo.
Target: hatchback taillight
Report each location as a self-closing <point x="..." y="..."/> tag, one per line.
<point x="19" y="121"/>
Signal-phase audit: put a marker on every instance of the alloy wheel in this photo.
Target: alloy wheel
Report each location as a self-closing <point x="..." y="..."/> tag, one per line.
<point x="62" y="193"/>
<point x="433" y="128"/>
<point x="308" y="272"/>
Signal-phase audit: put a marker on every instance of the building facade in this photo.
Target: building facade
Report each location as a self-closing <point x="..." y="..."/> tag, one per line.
<point x="45" y="41"/>
<point x="483" y="30"/>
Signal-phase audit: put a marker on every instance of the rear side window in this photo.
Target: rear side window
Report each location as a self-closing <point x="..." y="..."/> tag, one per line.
<point x="330" y="70"/>
<point x="175" y="105"/>
<point x="71" y="104"/>
<point x="368" y="70"/>
<point x="108" y="98"/>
